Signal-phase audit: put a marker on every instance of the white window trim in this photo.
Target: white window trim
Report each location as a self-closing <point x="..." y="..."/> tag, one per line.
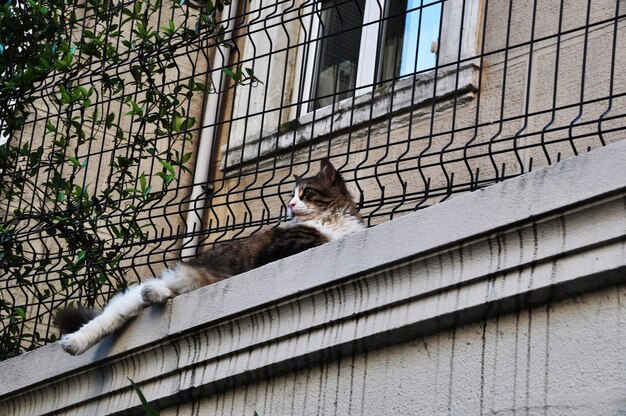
<point x="371" y="24"/>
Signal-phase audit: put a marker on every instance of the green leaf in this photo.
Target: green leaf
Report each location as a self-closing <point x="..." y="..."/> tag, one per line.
<point x="230" y="73"/>
<point x="166" y="178"/>
<point x="167" y="166"/>
<point x="177" y="124"/>
<point x="65" y="97"/>
<point x="137" y="111"/>
<point x="74" y="161"/>
<point x="116" y="231"/>
<point x="148" y="410"/>
<point x="145" y="189"/>
<point x="186" y="157"/>
<point x="109" y="121"/>
<point x="189" y="123"/>
<point x="81" y="256"/>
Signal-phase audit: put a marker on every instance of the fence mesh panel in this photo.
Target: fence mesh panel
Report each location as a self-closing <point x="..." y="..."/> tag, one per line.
<point x="196" y="132"/>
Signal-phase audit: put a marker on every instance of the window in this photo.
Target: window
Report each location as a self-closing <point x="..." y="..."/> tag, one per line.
<point x="338" y="53"/>
<point x="347" y="60"/>
<point x="345" y="49"/>
<point x="411" y="34"/>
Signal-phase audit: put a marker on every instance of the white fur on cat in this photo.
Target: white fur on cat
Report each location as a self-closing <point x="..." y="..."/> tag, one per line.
<point x="333" y="226"/>
<point x="128" y="304"/>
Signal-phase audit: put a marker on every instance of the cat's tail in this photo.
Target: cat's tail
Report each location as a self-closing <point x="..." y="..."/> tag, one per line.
<point x="83" y="328"/>
<point x="71" y="319"/>
<point x="117" y="312"/>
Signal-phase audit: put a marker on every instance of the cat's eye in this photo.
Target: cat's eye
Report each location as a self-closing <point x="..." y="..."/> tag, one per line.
<point x="308" y="193"/>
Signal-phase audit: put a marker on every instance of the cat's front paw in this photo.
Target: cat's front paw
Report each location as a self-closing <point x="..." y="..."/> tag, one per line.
<point x="155" y="294"/>
<point x="73" y="344"/>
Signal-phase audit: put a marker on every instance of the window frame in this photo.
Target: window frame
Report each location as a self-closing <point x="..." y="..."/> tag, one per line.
<point x="371" y="24"/>
<point x="374" y="11"/>
<point x="457" y="68"/>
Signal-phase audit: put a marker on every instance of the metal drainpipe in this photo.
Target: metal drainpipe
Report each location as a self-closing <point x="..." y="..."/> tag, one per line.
<point x="205" y="147"/>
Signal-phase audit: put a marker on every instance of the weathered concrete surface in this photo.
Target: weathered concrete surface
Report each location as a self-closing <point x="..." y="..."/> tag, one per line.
<point x="501" y="301"/>
<point x="531" y="362"/>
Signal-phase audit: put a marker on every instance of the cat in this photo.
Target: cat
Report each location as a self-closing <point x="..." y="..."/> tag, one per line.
<point x="321" y="210"/>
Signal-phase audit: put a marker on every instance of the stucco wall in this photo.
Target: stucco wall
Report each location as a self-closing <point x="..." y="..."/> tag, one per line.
<point x="559" y="358"/>
<point x="506" y="300"/>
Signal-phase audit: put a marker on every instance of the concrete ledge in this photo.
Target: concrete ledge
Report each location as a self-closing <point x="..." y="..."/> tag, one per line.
<point x="407" y="94"/>
<point x="553" y="233"/>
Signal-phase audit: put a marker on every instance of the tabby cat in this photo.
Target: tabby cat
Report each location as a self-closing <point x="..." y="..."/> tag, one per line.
<point x="321" y="209"/>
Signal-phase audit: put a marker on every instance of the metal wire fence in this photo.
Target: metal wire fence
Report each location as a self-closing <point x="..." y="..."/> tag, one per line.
<point x="415" y="102"/>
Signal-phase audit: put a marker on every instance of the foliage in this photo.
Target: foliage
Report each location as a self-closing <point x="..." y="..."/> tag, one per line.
<point x="148" y="410"/>
<point x="99" y="67"/>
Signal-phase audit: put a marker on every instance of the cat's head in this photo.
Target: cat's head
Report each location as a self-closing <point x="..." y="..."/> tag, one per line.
<point x="323" y="194"/>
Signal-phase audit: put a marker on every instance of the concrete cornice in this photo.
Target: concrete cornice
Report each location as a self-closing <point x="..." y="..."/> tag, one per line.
<point x="556" y="232"/>
<point x="447" y="83"/>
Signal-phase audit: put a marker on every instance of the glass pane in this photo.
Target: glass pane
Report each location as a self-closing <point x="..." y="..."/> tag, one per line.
<point x="338" y="51"/>
<point x="410" y="30"/>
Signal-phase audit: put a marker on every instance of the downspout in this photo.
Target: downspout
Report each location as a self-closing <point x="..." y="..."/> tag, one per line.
<point x="205" y="147"/>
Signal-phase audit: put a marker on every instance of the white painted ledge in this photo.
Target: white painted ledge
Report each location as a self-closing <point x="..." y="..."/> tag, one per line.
<point x="353" y="113"/>
<point x="544" y="236"/>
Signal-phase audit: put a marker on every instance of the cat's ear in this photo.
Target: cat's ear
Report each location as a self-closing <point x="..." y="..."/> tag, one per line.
<point x="297" y="178"/>
<point x="328" y="173"/>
